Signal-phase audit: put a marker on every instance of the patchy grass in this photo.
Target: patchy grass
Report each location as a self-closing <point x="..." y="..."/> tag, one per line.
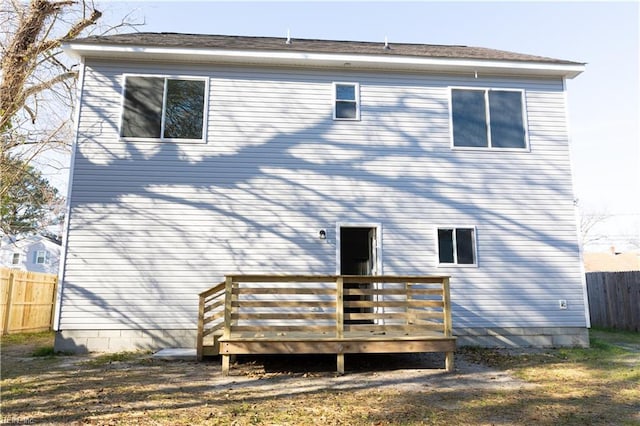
<point x="614" y="337"/>
<point x="44" y="351"/>
<point x="110" y="358"/>
<point x="596" y="386"/>
<point x="14" y="340"/>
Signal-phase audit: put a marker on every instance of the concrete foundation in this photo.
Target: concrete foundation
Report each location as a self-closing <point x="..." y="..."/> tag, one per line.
<point x="523" y="337"/>
<point x="83" y="341"/>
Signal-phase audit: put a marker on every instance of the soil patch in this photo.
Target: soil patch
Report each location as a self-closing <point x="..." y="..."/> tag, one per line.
<point x="598" y="386"/>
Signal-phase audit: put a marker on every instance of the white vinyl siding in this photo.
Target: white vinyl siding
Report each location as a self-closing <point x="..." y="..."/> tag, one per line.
<point x="153" y="224"/>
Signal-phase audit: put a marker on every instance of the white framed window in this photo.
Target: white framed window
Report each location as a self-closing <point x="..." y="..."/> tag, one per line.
<point x="164" y="108"/>
<point x="41" y="257"/>
<point x="488" y="119"/>
<point x="15" y="258"/>
<point x="346" y="101"/>
<point x="457" y="246"/>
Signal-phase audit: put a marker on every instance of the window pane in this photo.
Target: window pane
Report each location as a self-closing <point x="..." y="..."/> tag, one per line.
<point x="184" y="112"/>
<point x="469" y="118"/>
<point x="142" y="112"/>
<point x="507" y="129"/>
<point x="445" y="245"/>
<point x="345" y="109"/>
<point x="464" y="246"/>
<point x="346" y="92"/>
<point x="16" y="259"/>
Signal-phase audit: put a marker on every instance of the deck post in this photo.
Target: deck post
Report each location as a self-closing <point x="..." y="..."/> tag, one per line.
<point x="447" y="307"/>
<point x="340" y="321"/>
<point x="407" y="299"/>
<point x="448" y="332"/>
<point x="448" y="362"/>
<point x="228" y="293"/>
<point x="226" y="362"/>
<point x="340" y="363"/>
<point x="340" y="307"/>
<point x="200" y="341"/>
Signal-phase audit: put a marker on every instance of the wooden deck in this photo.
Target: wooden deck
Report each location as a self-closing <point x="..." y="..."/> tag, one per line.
<point x="328" y="314"/>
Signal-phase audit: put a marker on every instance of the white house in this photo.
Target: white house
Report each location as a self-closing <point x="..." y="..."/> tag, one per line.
<point x="35" y="253"/>
<point x="202" y="155"/>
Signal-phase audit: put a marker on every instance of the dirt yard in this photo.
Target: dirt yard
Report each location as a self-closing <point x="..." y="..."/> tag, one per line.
<point x="596" y="386"/>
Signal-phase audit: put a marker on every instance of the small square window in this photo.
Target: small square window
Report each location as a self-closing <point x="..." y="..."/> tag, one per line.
<point x="15" y="259"/>
<point x="346" y="101"/>
<point x="456" y="246"/>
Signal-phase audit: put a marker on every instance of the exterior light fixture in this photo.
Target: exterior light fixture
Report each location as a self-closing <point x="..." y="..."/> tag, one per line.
<point x="322" y="234"/>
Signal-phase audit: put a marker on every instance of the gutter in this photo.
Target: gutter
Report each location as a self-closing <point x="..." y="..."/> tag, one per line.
<point x="333" y="60"/>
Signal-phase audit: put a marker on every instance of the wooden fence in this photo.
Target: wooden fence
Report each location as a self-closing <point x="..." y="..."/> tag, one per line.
<point x="27" y="301"/>
<point x="614" y="299"/>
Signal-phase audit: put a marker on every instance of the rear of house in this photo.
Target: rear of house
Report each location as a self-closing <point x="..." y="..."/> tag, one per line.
<point x="200" y="156"/>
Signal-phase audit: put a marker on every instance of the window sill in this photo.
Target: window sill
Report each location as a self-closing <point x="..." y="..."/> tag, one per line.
<point x="488" y="149"/>
<point x="457" y="265"/>
<point x="157" y="140"/>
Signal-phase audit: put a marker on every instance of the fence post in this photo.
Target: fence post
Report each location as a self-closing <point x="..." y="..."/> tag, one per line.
<point x="7" y="306"/>
<point x="53" y="303"/>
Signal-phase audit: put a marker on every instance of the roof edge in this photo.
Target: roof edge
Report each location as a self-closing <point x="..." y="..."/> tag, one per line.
<point x="321" y="59"/>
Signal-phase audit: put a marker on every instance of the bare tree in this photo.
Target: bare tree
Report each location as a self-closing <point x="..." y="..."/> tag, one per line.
<point x="37" y="82"/>
<point x="589" y="223"/>
<point x="33" y="46"/>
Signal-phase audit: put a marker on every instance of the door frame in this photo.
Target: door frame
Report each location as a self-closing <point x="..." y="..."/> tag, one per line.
<point x="376" y="226"/>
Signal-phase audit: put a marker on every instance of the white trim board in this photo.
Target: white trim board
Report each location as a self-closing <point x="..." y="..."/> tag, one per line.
<point x="351" y="61"/>
<point x="378" y="228"/>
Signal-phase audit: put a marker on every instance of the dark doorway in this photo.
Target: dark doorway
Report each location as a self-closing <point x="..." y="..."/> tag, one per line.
<point x="357" y="257"/>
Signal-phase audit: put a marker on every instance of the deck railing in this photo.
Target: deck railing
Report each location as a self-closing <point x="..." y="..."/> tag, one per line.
<point x="210" y="319"/>
<point x="331" y="306"/>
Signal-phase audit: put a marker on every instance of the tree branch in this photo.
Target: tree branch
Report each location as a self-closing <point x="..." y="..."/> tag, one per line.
<point x="48" y="84"/>
<point x="73" y="32"/>
<point x="22" y="52"/>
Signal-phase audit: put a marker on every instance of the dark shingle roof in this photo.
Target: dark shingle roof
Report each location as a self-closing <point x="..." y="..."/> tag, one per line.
<point x="225" y="42"/>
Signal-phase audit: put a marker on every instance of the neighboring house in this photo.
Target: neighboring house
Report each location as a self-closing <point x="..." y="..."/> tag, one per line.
<point x="36" y="253"/>
<point x="198" y="156"/>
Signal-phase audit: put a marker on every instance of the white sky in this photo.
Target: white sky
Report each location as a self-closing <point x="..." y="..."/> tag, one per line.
<point x="603" y="101"/>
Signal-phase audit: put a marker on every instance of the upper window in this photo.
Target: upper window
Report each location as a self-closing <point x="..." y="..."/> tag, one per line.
<point x="456" y="246"/>
<point x="15" y="259"/>
<point x="346" y="101"/>
<point x="163" y="108"/>
<point x="41" y="257"/>
<point x="488" y="118"/>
